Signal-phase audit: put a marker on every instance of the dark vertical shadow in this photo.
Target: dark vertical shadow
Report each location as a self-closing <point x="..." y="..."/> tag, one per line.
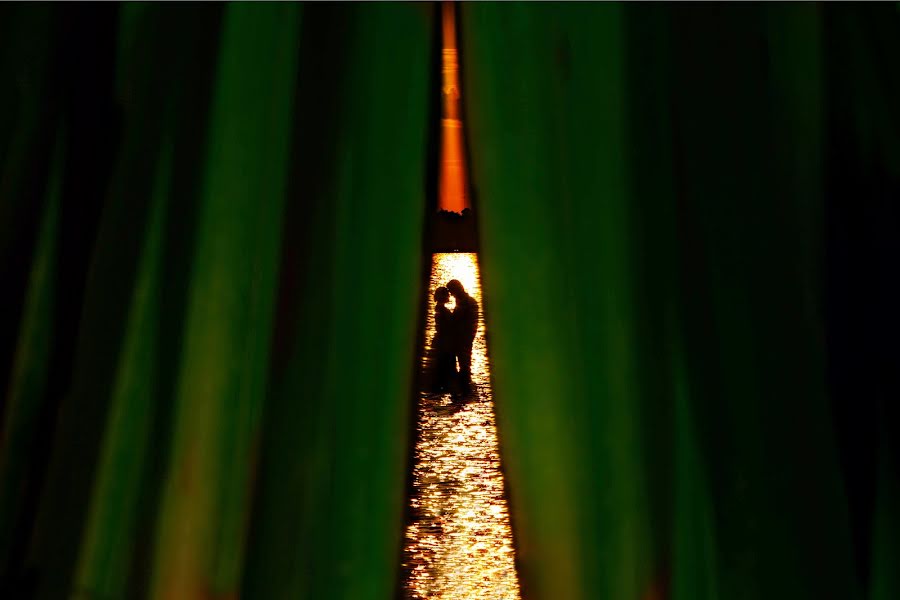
<point x="862" y="248"/>
<point x="653" y="233"/>
<point x="193" y="32"/>
<point x="84" y="59"/>
<point x="32" y="74"/>
<point x="313" y="160"/>
<point x="696" y="305"/>
<point x="430" y="193"/>
<point x="279" y="522"/>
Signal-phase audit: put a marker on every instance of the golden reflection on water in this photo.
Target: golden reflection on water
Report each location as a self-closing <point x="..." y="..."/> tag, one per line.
<point x="458" y="541"/>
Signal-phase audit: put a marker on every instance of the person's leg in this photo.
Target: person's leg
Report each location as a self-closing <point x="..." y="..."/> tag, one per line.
<point x="465" y="361"/>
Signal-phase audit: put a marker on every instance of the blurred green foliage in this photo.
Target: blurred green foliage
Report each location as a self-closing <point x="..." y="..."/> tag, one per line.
<point x="211" y="252"/>
<point x="657" y="190"/>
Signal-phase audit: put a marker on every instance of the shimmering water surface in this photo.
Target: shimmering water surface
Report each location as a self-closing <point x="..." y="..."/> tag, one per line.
<point x="458" y="541"/>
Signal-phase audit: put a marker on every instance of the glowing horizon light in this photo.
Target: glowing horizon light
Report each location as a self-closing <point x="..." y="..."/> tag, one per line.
<point x="452" y="188"/>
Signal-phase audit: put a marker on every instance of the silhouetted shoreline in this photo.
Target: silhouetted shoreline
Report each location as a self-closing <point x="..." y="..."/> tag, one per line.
<point x="454" y="232"/>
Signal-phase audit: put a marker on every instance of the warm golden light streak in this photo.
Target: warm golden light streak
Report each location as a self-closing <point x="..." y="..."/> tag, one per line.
<point x="458" y="543"/>
<point x="452" y="194"/>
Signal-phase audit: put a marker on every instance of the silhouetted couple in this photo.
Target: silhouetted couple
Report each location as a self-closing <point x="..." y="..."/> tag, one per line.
<point x="454" y="336"/>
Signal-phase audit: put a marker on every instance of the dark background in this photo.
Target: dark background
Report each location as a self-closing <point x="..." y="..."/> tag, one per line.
<point x="211" y="246"/>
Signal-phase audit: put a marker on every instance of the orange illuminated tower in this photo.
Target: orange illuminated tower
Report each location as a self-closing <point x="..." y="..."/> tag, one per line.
<point x="452" y="190"/>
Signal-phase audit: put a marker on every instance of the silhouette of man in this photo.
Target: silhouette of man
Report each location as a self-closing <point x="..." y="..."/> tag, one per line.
<point x="465" y="324"/>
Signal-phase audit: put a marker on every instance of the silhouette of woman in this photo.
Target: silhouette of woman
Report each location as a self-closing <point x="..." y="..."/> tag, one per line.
<point x="443" y="357"/>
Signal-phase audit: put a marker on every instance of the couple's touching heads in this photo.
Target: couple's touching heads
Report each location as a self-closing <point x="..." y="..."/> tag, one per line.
<point x="454" y="335"/>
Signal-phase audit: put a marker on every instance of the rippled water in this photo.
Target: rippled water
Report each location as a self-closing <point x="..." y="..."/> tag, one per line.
<point x="458" y="541"/>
